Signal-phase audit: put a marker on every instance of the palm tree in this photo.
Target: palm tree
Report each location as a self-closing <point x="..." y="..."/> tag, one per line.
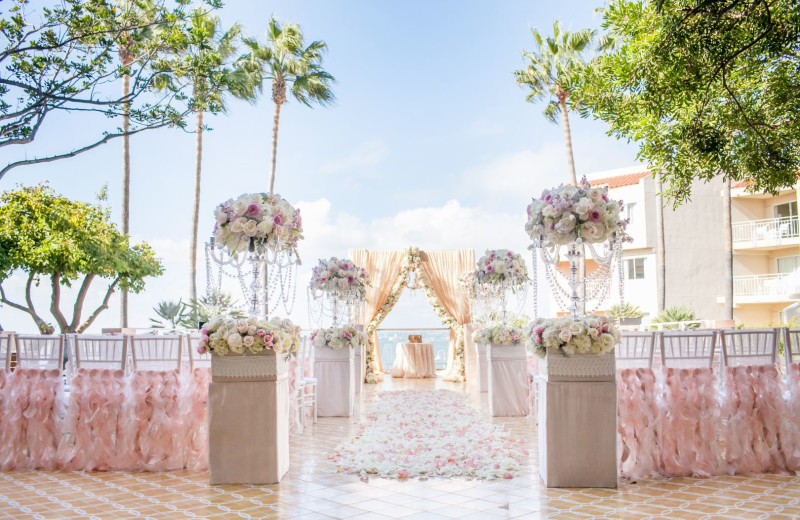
<point x="205" y="52"/>
<point x="125" y="59"/>
<point x="554" y="68"/>
<point x="286" y="62"/>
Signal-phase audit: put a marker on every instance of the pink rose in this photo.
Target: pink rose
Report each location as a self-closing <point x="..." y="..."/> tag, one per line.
<point x="253" y="210"/>
<point x="201" y="349"/>
<point x="277" y="220"/>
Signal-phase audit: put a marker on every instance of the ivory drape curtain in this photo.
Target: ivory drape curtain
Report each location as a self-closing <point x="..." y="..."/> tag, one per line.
<point x="443" y="270"/>
<point x="383" y="268"/>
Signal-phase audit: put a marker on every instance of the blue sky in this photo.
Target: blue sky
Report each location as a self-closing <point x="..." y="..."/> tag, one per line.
<point x="430" y="143"/>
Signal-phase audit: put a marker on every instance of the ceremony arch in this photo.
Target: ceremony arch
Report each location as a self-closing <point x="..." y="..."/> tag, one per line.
<point x="438" y="274"/>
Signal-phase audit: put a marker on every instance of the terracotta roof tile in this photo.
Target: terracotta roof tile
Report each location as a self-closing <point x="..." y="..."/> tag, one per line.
<point x="620" y="180"/>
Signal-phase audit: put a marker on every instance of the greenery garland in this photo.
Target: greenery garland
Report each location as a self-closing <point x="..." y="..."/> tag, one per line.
<point x="411" y="262"/>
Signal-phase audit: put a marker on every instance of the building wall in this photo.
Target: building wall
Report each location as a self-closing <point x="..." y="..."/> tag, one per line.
<point x="746" y="264"/>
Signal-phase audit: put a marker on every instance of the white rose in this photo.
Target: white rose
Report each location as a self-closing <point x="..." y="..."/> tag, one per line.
<point x="235" y="342"/>
<point x="248" y="341"/>
<point x="222" y="217"/>
<point x="264" y="228"/>
<point x="565" y="335"/>
<point x="549" y="211"/>
<point x="319" y="340"/>
<point x="606" y="341"/>
<point x="576" y="329"/>
<point x="240" y="206"/>
<point x="583" y="207"/>
<point x="592" y="231"/>
<point x="250" y="228"/>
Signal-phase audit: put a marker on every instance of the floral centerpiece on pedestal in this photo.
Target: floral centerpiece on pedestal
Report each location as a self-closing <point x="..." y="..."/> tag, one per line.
<point x="340" y="279"/>
<point x="338" y="337"/>
<point x="501" y="267"/>
<point x="257" y="221"/>
<point x="573" y="214"/>
<point x="500" y="333"/>
<point x="223" y="336"/>
<point x="571" y="335"/>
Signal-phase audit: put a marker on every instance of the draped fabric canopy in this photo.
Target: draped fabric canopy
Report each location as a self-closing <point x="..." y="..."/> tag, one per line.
<point x="438" y="273"/>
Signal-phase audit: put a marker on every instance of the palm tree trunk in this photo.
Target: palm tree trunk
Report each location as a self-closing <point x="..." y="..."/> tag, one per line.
<point x="661" y="265"/>
<point x="275" y="124"/>
<point x="568" y="138"/>
<point x="198" y="165"/>
<point x="126" y="187"/>
<point x="728" y="230"/>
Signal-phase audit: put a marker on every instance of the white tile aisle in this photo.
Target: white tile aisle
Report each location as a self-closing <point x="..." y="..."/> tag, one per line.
<point x="313" y="490"/>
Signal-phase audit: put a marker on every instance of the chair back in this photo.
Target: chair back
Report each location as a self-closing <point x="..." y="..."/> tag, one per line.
<point x="197" y="359"/>
<point x="687" y="349"/>
<point x="749" y="347"/>
<point x="791" y="346"/>
<point x="40" y="351"/>
<point x="151" y="352"/>
<point x="6" y="348"/>
<point x="635" y="349"/>
<point x="98" y="351"/>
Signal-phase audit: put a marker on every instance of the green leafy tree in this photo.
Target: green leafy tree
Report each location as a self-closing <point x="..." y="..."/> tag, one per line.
<point x="287" y="63"/>
<point x="63" y="56"/>
<point x="553" y="72"/>
<point x="705" y="89"/>
<point x="47" y="236"/>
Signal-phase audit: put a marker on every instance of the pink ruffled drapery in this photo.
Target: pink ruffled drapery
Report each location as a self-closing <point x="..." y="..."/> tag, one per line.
<point x="638" y="423"/>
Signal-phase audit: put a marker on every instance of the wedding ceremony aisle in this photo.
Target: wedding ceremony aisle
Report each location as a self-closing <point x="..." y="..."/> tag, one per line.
<point x="315" y="488"/>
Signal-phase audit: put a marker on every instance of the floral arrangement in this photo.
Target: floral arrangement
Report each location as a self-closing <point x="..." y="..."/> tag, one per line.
<point x="222" y="336"/>
<point x="340" y="277"/>
<point x="501" y="266"/>
<point x="572" y="213"/>
<point x="467" y="283"/>
<point x="587" y="335"/>
<point x="338" y="337"/>
<point x="499" y="333"/>
<point x="268" y="222"/>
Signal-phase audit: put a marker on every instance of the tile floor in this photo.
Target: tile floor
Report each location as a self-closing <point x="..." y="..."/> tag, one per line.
<point x="313" y="490"/>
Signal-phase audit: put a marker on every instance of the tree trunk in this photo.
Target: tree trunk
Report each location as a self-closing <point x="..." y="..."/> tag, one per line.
<point x="568" y="137"/>
<point x="661" y="265"/>
<point x="198" y="165"/>
<point x="728" y="230"/>
<point x="126" y="187"/>
<point x="275" y="124"/>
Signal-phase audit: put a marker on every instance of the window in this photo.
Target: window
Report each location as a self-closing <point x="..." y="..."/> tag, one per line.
<point x="788" y="209"/>
<point x="789" y="264"/>
<point x="630" y="209"/>
<point x="635" y="268"/>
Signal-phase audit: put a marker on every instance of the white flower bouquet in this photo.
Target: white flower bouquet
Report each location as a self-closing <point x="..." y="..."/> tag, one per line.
<point x="267" y="222"/>
<point x="499" y="333"/>
<point x="222" y="336"/>
<point x="571" y="213"/>
<point x="588" y="335"/>
<point x="339" y="277"/>
<point x="338" y="337"/>
<point x="501" y="266"/>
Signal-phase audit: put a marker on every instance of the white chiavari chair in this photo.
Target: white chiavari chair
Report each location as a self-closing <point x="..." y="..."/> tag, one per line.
<point x="306" y="386"/>
<point x="196" y="359"/>
<point x="635" y="349"/>
<point x="687" y="348"/>
<point x="791" y="346"/>
<point x="6" y="348"/>
<point x="151" y="352"/>
<point x="98" y="351"/>
<point x="44" y="352"/>
<point x="747" y="347"/>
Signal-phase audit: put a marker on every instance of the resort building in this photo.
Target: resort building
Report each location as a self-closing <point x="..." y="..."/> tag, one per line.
<point x="766" y="249"/>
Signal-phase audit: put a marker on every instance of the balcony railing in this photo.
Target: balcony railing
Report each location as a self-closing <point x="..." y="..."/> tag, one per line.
<point x="767" y="286"/>
<point x="766" y="231"/>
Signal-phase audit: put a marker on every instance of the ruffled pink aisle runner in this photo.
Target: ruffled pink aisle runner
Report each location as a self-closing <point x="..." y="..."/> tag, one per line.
<point x="412" y="434"/>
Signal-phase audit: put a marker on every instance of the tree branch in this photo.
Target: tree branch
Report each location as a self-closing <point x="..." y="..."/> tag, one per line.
<point x="55" y="301"/>
<point x="43" y="327"/>
<point x="78" y="151"/>
<point x="78" y="308"/>
<point x="103" y="306"/>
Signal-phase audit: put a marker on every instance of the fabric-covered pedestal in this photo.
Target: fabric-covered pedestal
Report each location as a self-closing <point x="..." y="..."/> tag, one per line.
<point x="507" y="380"/>
<point x="470" y="358"/>
<point x="358" y="369"/>
<point x="248" y="419"/>
<point x="334" y="369"/>
<point x="577" y="416"/>
<point x="483" y="367"/>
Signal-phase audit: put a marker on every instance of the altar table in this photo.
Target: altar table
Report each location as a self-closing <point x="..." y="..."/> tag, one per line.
<point x="414" y="360"/>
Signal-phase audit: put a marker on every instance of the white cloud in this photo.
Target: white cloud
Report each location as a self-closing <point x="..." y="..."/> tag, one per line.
<point x="369" y="153"/>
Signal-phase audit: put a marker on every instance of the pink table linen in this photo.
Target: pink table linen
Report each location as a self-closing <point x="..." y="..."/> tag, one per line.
<point x="414" y="360"/>
<point x="334" y="369"/>
<point x="508" y="380"/>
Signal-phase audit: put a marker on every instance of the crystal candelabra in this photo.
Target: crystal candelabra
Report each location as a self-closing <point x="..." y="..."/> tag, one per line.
<point x="341" y="306"/>
<point x="571" y="292"/>
<point x="263" y="275"/>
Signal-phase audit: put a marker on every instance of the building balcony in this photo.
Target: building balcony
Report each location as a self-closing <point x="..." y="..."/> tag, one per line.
<point x="772" y="233"/>
<point x="766" y="288"/>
